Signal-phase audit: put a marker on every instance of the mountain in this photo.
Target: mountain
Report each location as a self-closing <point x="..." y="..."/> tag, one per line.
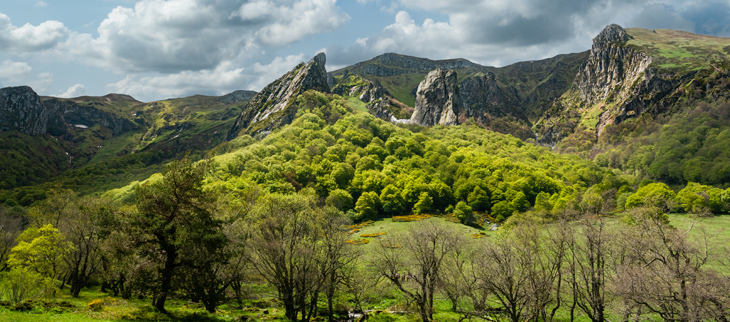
<point x="635" y="73"/>
<point x="507" y="99"/>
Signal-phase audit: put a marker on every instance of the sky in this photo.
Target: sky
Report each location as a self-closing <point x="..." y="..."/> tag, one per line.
<point x="159" y="49"/>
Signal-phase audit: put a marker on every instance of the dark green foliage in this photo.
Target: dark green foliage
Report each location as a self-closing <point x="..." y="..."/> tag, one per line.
<point x="174" y="228"/>
<point x="689" y="146"/>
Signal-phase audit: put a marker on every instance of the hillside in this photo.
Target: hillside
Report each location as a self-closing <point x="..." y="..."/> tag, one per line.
<point x="88" y="143"/>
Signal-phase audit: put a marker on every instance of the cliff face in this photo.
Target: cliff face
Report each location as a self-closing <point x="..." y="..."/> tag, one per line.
<point x="22" y="110"/>
<point x="66" y="114"/>
<point x="615" y="83"/>
<point x="274" y="105"/>
<point x="482" y="96"/>
<point x="437" y="99"/>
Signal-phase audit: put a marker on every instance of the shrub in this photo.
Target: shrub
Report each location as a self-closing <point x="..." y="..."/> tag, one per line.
<point x="96" y="305"/>
<point x="20" y="284"/>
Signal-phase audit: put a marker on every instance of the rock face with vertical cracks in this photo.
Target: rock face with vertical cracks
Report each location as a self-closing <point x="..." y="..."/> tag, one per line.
<point x="275" y="105"/>
<point x="21" y="109"/>
<point x="437" y="99"/>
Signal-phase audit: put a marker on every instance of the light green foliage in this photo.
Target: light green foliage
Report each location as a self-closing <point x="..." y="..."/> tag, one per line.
<point x="542" y="202"/>
<point x="340" y="199"/>
<point x="652" y="195"/>
<point x="40" y="250"/>
<point x="503" y="210"/>
<point x="367" y="206"/>
<point x="22" y="283"/>
<point x="393" y="203"/>
<point x="479" y="200"/>
<point x="464" y="213"/>
<point x="696" y="198"/>
<point x="424" y="204"/>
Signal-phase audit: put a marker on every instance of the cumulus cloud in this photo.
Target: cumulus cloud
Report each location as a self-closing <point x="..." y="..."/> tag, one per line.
<point x="222" y="79"/>
<point x="503" y="32"/>
<point x="29" y="38"/>
<point x="288" y="22"/>
<point x="12" y="70"/>
<point x="197" y="35"/>
<point x="74" y="91"/>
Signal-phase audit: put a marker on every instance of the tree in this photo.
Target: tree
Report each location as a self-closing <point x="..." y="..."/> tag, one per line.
<point x="664" y="271"/>
<point x="393" y="203"/>
<point x="418" y="256"/>
<point x="424" y="204"/>
<point x="478" y="199"/>
<point x="40" y="250"/>
<point x="367" y="205"/>
<point x="652" y="195"/>
<point x="10" y="228"/>
<point x="286" y="248"/>
<point x="340" y="199"/>
<point x="174" y="220"/>
<point x="464" y="213"/>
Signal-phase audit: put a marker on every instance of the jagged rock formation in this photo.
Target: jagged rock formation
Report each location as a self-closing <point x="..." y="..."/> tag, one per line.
<point x="437" y="100"/>
<point x="639" y="73"/>
<point x="236" y="96"/>
<point x="21" y="110"/>
<point x="274" y="105"/>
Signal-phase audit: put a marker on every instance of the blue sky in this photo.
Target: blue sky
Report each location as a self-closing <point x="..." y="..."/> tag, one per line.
<point x="158" y="49"/>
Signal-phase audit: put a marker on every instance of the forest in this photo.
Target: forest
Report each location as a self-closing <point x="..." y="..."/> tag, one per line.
<point x="342" y="216"/>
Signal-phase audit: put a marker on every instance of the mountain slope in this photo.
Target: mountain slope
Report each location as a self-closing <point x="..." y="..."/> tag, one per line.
<point x="634" y="73"/>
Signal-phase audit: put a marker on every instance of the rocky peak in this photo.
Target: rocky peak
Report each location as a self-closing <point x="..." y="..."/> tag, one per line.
<point x="21" y="109"/>
<point x="613" y="33"/>
<point x="274" y="106"/>
<point x="437" y="99"/>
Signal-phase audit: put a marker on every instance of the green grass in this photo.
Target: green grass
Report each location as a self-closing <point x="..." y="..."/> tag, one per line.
<point x="679" y="50"/>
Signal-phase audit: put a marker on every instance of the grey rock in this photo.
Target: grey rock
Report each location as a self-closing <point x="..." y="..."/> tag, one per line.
<point x="21" y="110"/>
<point x="437" y="100"/>
<point x="275" y="105"/>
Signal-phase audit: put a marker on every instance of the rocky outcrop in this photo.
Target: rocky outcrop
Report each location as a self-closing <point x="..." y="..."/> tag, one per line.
<point x="616" y="82"/>
<point x="437" y="100"/>
<point x="274" y="106"/>
<point x="21" y="110"/>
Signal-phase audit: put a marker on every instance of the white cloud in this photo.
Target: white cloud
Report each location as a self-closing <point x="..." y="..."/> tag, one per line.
<point x="12" y="70"/>
<point x="196" y="35"/>
<point x="223" y="79"/>
<point x="40" y="4"/>
<point x="74" y="91"/>
<point x="29" y="38"/>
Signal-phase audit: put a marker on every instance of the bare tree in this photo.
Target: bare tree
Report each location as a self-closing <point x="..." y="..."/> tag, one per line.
<point x="413" y="261"/>
<point x="665" y="272"/>
<point x="589" y="267"/>
<point x="522" y="270"/>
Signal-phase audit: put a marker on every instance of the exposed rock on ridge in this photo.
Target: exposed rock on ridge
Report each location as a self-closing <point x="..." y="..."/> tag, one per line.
<point x="437" y="100"/>
<point x="274" y="105"/>
<point x="21" y="109"/>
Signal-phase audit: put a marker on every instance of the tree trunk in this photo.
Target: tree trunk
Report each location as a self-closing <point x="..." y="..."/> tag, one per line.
<point x="166" y="285"/>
